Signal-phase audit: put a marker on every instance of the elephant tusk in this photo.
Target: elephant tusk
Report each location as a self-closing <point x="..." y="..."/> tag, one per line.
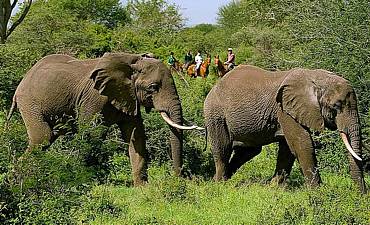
<point x="348" y="146"/>
<point x="175" y="125"/>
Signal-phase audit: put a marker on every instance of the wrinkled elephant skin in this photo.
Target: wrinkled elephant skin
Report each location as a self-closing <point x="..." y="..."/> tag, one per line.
<point x="251" y="107"/>
<point x="115" y="85"/>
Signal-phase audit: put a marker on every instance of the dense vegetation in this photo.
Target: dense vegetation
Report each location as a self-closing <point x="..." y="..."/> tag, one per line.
<point x="86" y="180"/>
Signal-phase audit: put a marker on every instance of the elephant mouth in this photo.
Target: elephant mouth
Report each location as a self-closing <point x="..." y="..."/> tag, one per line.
<point x="331" y="125"/>
<point x="147" y="102"/>
<point x="148" y="109"/>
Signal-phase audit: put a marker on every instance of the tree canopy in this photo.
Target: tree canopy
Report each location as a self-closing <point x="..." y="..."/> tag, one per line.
<point x="79" y="178"/>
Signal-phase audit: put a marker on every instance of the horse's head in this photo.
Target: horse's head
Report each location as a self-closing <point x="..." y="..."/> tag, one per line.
<point x="208" y="60"/>
<point x="221" y="68"/>
<point x="217" y="59"/>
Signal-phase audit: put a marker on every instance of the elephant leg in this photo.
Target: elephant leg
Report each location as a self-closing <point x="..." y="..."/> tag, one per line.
<point x="221" y="146"/>
<point x="242" y="154"/>
<point x="300" y="142"/>
<point x="134" y="134"/>
<point x="284" y="164"/>
<point x="38" y="131"/>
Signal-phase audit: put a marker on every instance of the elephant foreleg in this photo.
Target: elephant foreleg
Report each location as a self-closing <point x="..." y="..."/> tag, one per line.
<point x="135" y="135"/>
<point x="300" y="142"/>
<point x="242" y="154"/>
<point x="284" y="164"/>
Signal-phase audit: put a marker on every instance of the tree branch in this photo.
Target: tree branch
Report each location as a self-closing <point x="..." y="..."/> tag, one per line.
<point x="16" y="23"/>
<point x="4" y="18"/>
<point x="14" y="4"/>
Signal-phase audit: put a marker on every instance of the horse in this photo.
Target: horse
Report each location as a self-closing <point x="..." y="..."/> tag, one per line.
<point x="221" y="68"/>
<point x="177" y="67"/>
<point x="203" y="71"/>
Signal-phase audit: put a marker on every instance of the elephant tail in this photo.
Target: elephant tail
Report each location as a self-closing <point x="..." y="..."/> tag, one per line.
<point x="205" y="147"/>
<point x="12" y="108"/>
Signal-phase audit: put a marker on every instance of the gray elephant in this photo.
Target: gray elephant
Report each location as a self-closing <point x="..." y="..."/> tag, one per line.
<point x="115" y="85"/>
<point x="251" y="107"/>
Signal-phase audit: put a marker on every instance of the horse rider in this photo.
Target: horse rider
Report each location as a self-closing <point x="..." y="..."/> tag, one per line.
<point x="188" y="59"/>
<point x="198" y="63"/>
<point x="171" y="60"/>
<point x="230" y="59"/>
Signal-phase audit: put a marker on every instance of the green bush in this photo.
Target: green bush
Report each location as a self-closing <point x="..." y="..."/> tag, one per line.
<point x="85" y="178"/>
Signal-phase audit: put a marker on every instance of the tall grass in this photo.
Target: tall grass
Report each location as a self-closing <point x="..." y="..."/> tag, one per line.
<point x="170" y="200"/>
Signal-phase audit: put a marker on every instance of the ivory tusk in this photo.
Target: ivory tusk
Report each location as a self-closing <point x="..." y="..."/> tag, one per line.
<point x="348" y="146"/>
<point x="175" y="125"/>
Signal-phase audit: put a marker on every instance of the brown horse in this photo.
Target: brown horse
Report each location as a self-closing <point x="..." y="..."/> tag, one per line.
<point x="221" y="68"/>
<point x="177" y="67"/>
<point x="203" y="71"/>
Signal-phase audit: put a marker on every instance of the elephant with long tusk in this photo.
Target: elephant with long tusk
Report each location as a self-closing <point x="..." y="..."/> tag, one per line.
<point x="251" y="107"/>
<point x="115" y="85"/>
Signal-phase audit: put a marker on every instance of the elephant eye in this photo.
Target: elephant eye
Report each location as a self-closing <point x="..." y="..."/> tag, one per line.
<point x="153" y="88"/>
<point x="338" y="105"/>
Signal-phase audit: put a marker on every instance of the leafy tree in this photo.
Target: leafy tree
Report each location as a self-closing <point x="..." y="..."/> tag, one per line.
<point x="106" y="12"/>
<point x="155" y="16"/>
<point x="333" y="35"/>
<point x="154" y="27"/>
<point x="243" y="13"/>
<point x="6" y="9"/>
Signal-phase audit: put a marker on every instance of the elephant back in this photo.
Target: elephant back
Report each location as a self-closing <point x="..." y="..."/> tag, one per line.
<point x="55" y="82"/>
<point x="47" y="61"/>
<point x="247" y="78"/>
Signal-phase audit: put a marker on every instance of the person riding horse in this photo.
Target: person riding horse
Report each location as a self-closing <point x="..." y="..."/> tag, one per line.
<point x="198" y="63"/>
<point x="172" y="60"/>
<point x="188" y="60"/>
<point x="230" y="59"/>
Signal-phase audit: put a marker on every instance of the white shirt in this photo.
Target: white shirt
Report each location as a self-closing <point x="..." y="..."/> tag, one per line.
<point x="198" y="58"/>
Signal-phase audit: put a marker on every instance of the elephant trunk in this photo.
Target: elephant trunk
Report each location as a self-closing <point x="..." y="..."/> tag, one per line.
<point x="167" y="102"/>
<point x="176" y="137"/>
<point x="356" y="166"/>
<point x="353" y="132"/>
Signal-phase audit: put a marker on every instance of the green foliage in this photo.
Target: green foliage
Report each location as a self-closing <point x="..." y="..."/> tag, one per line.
<point x="155" y="17"/>
<point x="43" y="186"/>
<point x="170" y="200"/>
<point x="86" y="178"/>
<point x="105" y="12"/>
<point x="15" y="60"/>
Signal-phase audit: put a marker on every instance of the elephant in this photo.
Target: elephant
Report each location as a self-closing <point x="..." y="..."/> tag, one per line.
<point x="250" y="107"/>
<point x="115" y="85"/>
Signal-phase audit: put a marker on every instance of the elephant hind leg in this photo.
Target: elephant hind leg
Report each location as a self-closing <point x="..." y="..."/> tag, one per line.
<point x="242" y="154"/>
<point x="38" y="130"/>
<point x="284" y="164"/>
<point x="221" y="146"/>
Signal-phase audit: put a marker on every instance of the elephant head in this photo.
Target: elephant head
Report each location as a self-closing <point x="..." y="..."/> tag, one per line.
<point x="317" y="99"/>
<point x="131" y="80"/>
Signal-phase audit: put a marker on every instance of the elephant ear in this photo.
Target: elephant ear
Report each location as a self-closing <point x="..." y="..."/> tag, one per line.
<point x="112" y="77"/>
<point x="298" y="96"/>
